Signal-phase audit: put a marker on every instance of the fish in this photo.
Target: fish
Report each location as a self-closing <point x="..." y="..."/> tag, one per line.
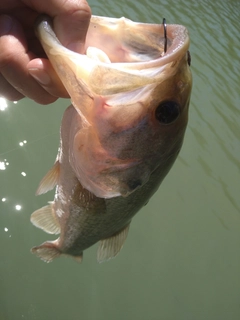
<point x="130" y="92"/>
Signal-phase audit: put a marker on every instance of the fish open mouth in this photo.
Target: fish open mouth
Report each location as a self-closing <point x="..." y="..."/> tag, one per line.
<point x="136" y="42"/>
<point x="137" y="47"/>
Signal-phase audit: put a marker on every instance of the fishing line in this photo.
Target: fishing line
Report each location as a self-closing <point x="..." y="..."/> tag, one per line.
<point x="28" y="143"/>
<point x="165" y="34"/>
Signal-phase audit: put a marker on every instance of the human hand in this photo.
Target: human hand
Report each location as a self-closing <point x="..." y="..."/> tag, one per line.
<point x="24" y="69"/>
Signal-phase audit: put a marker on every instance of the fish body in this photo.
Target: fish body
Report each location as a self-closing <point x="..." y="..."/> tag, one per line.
<point x="120" y="136"/>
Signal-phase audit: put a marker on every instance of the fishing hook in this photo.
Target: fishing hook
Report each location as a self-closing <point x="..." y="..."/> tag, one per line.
<point x="165" y="34"/>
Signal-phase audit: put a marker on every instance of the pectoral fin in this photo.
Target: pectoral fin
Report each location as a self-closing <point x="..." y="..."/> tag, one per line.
<point x="110" y="247"/>
<point x="45" y="218"/>
<point x="50" y="180"/>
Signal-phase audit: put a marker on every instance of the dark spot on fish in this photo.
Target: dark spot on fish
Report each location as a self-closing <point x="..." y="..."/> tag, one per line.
<point x="167" y="112"/>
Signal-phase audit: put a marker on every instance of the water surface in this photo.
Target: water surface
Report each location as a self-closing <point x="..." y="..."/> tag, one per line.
<point x="181" y="260"/>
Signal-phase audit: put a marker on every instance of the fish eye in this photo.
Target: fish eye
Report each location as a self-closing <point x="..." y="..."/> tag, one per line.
<point x="167" y="112"/>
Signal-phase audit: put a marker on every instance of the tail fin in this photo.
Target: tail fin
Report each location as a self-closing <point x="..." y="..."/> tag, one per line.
<point x="47" y="251"/>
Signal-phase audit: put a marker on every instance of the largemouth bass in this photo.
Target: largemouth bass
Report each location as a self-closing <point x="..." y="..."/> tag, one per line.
<point x="120" y="136"/>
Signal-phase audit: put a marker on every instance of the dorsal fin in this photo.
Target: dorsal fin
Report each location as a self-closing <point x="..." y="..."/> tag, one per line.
<point x="110" y="247"/>
<point x="45" y="218"/>
<point x="50" y="180"/>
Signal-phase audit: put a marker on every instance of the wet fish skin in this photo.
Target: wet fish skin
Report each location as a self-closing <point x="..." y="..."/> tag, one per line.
<point x="121" y="119"/>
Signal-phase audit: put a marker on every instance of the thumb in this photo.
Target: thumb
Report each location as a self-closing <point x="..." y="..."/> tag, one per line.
<point x="71" y="26"/>
<point x="70" y="20"/>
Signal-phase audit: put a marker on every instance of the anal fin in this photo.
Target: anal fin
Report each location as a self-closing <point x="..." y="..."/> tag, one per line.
<point x="46" y="219"/>
<point x="110" y="247"/>
<point x="78" y="258"/>
<point x="47" y="251"/>
<point x="50" y="180"/>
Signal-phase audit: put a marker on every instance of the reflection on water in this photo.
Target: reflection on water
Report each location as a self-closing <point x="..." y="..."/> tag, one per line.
<point x="181" y="259"/>
<point x="3" y="104"/>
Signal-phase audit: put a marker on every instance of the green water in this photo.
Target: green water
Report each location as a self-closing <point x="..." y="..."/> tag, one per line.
<point x="181" y="260"/>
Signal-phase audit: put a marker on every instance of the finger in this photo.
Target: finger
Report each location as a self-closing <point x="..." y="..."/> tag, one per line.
<point x="71" y="20"/>
<point x="43" y="72"/>
<point x="14" y="58"/>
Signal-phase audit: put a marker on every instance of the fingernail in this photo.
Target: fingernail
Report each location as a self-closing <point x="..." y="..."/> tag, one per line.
<point x="6" y="24"/>
<point x="41" y="77"/>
